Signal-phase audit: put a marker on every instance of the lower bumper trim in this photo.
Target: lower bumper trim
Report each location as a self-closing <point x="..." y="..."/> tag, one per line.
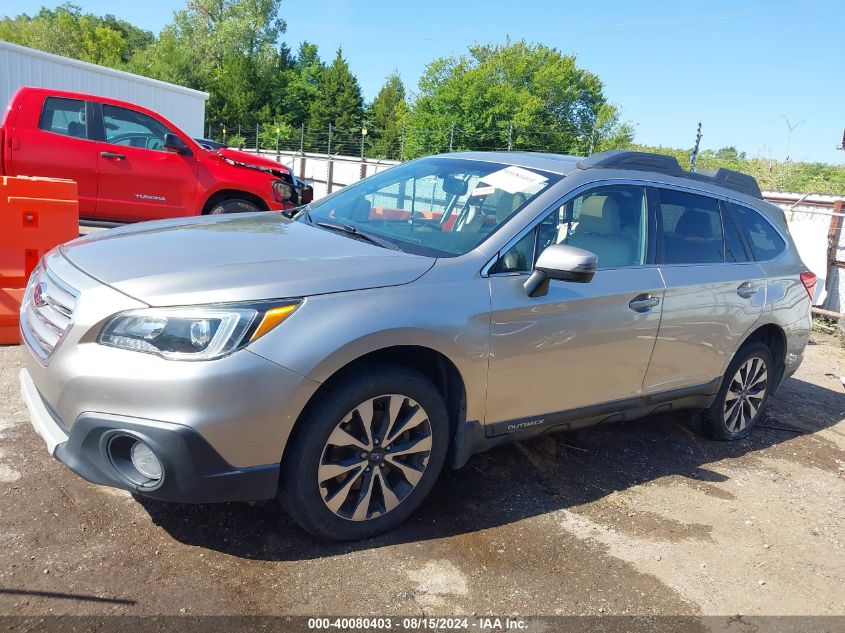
<point x="42" y="420"/>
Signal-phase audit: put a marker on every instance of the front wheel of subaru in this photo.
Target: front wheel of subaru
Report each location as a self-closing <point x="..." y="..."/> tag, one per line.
<point x="366" y="453"/>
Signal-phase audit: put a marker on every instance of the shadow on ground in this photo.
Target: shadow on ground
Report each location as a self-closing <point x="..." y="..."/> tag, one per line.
<point x="515" y="482"/>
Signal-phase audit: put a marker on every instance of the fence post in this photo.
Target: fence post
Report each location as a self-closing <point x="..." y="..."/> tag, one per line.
<point x="330" y="165"/>
<point x="239" y="134"/>
<point x="277" y="144"/>
<point x="451" y="137"/>
<point x="302" y="139"/>
<point x="510" y="135"/>
<point x="402" y="145"/>
<point x="256" y="137"/>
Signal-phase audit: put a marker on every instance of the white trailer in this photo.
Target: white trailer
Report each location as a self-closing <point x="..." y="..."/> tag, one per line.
<point x="22" y="66"/>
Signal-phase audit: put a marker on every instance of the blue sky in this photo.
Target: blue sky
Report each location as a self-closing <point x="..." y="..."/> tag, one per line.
<point x="738" y="67"/>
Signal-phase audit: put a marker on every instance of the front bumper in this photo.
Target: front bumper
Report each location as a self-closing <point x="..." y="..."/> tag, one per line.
<point x="193" y="471"/>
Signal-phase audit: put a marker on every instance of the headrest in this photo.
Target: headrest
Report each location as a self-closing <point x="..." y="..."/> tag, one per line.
<point x="694" y="223"/>
<point x="74" y="128"/>
<point x="600" y="215"/>
<point x="507" y="204"/>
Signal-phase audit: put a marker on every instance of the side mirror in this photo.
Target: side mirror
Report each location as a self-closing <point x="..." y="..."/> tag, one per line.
<point x="563" y="263"/>
<point x="175" y="144"/>
<point x="306" y="194"/>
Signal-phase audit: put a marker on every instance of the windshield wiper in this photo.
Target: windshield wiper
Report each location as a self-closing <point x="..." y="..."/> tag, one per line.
<point x="353" y="231"/>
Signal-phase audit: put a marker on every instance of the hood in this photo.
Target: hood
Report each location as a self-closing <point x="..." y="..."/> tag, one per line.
<point x="244" y="257"/>
<point x="252" y="159"/>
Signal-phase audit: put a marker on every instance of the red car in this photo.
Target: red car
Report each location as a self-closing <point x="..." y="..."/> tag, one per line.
<point x="132" y="164"/>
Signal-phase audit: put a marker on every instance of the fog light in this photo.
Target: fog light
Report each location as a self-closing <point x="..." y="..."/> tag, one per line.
<point x="145" y="461"/>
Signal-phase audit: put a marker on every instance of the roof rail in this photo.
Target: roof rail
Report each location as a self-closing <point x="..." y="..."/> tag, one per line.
<point x="663" y="164"/>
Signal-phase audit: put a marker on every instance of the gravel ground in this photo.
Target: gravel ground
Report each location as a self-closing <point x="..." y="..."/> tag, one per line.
<point x="640" y="518"/>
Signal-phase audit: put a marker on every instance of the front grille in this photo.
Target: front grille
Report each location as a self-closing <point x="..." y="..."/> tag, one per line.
<point x="47" y="311"/>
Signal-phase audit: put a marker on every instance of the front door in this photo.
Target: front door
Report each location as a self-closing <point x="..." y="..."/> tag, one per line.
<point x="582" y="346"/>
<point x="139" y="178"/>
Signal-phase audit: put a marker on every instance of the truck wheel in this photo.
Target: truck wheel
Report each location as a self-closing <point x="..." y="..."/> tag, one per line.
<point x="744" y="392"/>
<point x="233" y="205"/>
<point x="367" y="454"/>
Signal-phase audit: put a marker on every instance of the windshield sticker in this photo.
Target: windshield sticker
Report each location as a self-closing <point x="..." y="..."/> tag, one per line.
<point x="482" y="191"/>
<point x="514" y="179"/>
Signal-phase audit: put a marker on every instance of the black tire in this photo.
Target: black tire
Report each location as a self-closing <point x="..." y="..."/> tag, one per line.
<point x="234" y="205"/>
<point x="301" y="489"/>
<point x="715" y="421"/>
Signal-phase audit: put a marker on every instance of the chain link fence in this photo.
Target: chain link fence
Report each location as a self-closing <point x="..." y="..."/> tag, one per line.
<point x="398" y="143"/>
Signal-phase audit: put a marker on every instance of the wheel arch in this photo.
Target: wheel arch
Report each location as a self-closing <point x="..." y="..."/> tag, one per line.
<point x="232" y="194"/>
<point x="772" y="336"/>
<point x="433" y="364"/>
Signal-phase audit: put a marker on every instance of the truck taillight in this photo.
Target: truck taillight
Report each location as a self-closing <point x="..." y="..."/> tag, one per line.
<point x="809" y="281"/>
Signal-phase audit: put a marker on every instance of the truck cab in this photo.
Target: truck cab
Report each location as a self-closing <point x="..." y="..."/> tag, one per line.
<point x="131" y="164"/>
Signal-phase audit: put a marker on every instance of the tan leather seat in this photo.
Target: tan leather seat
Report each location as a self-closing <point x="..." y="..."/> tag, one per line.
<point x="599" y="230"/>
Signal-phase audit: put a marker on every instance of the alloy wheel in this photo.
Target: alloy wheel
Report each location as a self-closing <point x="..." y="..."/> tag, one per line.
<point x="745" y="394"/>
<point x="375" y="457"/>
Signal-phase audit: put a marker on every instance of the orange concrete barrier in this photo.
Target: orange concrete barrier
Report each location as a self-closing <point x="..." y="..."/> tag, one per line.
<point x="36" y="214"/>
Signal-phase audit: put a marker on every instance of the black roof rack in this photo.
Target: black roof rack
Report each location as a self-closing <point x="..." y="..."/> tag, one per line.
<point x="663" y="164"/>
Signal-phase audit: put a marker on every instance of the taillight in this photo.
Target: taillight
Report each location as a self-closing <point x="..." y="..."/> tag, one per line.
<point x="809" y="281"/>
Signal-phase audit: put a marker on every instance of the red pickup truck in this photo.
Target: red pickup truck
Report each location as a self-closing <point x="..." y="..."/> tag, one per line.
<point x="131" y="164"/>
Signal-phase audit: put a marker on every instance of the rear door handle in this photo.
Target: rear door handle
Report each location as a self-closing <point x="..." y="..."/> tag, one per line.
<point x="747" y="290"/>
<point x="643" y="302"/>
<point x="113" y="155"/>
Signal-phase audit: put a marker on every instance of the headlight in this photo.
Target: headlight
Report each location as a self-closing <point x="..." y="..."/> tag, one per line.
<point x="282" y="191"/>
<point x="197" y="333"/>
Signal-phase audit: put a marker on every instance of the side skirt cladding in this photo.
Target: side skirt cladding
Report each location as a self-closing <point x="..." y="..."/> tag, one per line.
<point x="472" y="437"/>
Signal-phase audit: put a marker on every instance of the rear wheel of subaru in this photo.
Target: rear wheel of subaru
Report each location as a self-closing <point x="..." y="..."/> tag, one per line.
<point x="234" y="205"/>
<point x="367" y="454"/>
<point x="743" y="395"/>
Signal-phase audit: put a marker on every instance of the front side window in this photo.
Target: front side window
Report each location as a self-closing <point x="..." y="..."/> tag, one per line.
<point x="65" y="117"/>
<point x="133" y="129"/>
<point x="608" y="221"/>
<point x="691" y="228"/>
<point x="439" y="207"/>
<point x="764" y="240"/>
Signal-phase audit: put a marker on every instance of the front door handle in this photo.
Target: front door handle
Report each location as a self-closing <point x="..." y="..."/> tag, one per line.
<point x="747" y="290"/>
<point x="113" y="155"/>
<point x="643" y="302"/>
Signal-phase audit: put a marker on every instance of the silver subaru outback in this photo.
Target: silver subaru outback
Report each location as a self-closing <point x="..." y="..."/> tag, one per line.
<point x="340" y="357"/>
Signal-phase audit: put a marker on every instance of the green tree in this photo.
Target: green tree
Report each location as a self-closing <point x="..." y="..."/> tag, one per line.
<point x="300" y="84"/>
<point x="340" y="103"/>
<point x="527" y="95"/>
<point x="609" y="131"/>
<point x="385" y="117"/>
<point x="67" y="31"/>
<point x="229" y="48"/>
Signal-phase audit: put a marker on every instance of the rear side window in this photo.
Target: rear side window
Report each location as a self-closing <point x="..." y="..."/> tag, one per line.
<point x="764" y="240"/>
<point x="133" y="129"/>
<point x="691" y="228"/>
<point x="734" y="248"/>
<point x="64" y="116"/>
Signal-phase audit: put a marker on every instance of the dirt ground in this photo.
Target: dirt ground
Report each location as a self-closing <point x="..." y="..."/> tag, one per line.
<point x="640" y="518"/>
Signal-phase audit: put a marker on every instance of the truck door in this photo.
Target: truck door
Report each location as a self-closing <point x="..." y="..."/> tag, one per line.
<point x="139" y="178"/>
<point x="53" y="137"/>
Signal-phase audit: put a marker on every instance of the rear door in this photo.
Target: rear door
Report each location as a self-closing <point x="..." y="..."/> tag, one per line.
<point x="53" y="137"/>
<point x="715" y="291"/>
<point x="581" y="345"/>
<point x="139" y="178"/>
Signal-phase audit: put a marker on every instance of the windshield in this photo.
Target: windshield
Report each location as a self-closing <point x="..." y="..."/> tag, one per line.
<point x="439" y="207"/>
